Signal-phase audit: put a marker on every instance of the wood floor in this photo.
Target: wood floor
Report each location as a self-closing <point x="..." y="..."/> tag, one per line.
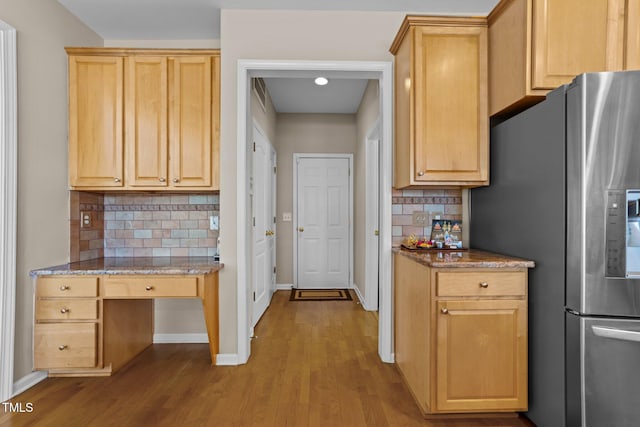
<point x="312" y="364"/>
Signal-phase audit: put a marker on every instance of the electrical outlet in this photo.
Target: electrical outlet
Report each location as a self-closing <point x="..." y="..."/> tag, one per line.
<point x="420" y="219"/>
<point x="435" y="215"/>
<point x="86" y="219"/>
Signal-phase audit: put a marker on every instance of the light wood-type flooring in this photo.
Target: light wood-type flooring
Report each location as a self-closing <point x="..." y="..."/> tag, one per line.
<point x="312" y="364"/>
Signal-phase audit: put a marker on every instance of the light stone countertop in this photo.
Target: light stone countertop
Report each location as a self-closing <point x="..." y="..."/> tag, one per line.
<point x="135" y="265"/>
<point x="471" y="258"/>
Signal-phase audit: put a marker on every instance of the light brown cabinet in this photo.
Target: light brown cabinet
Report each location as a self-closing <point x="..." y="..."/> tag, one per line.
<point x="66" y="323"/>
<point x="461" y="337"/>
<point x="536" y="46"/>
<point x="89" y="325"/>
<point x="162" y="130"/>
<point x="441" y="109"/>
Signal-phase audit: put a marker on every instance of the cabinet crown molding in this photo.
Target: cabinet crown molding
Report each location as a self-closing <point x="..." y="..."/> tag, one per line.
<point x="434" y="21"/>
<point x="126" y="51"/>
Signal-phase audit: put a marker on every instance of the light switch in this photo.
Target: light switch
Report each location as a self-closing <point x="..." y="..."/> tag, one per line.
<point x="286" y="216"/>
<point x="214" y="222"/>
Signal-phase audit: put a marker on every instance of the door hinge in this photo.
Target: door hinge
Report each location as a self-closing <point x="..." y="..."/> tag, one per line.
<point x="274" y="219"/>
<point x="254" y="147"/>
<point x="254" y="295"/>
<point x="274" y="269"/>
<point x="275" y="169"/>
<point x="254" y="221"/>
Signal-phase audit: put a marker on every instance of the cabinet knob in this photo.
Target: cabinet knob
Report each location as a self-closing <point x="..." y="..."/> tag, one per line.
<point x="484" y="285"/>
<point x="176" y="180"/>
<point x="149" y="288"/>
<point x="62" y="347"/>
<point x="116" y="179"/>
<point x="64" y="288"/>
<point x="444" y="310"/>
<point x="65" y="310"/>
<point x="421" y="173"/>
<point x="162" y="179"/>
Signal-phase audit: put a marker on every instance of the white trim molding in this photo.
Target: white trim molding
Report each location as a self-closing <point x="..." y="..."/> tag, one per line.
<point x="284" y="286"/>
<point x="181" y="338"/>
<point x="29" y="381"/>
<point x="381" y="71"/>
<point x="227" y="359"/>
<point x="8" y="209"/>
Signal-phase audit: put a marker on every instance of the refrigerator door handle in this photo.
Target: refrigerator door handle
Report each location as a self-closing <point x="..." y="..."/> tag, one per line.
<point x="616" y="334"/>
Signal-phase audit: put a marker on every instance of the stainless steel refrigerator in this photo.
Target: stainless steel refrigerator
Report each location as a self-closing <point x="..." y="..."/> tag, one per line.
<point x="564" y="192"/>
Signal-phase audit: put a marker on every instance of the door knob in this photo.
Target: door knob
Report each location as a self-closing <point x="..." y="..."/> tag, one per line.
<point x="176" y="180"/>
<point x="444" y="310"/>
<point x="161" y="179"/>
<point x="301" y="229"/>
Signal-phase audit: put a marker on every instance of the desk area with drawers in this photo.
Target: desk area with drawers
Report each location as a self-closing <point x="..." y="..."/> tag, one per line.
<point x="92" y="317"/>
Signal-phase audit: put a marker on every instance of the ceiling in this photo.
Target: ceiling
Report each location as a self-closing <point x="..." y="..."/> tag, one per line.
<point x="200" y="20"/>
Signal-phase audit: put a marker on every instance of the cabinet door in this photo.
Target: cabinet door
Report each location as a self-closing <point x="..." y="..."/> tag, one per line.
<point x="632" y="36"/>
<point x="571" y="37"/>
<point x="481" y="360"/>
<point x="95" y="121"/>
<point x="190" y="98"/>
<point x="146" y="121"/>
<point x="412" y="324"/>
<point x="451" y="130"/>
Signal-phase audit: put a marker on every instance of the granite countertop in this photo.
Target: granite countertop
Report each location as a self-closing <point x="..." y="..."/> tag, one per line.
<point x="472" y="258"/>
<point x="135" y="265"/>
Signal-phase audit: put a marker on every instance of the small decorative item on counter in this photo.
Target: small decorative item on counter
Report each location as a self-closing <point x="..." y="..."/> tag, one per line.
<point x="447" y="232"/>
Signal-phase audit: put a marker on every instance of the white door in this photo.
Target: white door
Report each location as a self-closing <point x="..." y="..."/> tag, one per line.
<point x="372" y="201"/>
<point x="323" y="210"/>
<point x="263" y="232"/>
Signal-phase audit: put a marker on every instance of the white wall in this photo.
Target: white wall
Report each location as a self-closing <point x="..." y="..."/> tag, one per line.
<point x="368" y="113"/>
<point x="278" y="34"/>
<point x="44" y="28"/>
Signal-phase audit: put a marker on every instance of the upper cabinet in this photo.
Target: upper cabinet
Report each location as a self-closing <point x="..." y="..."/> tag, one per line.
<point x="441" y="110"/>
<point x="536" y="46"/>
<point x="95" y="121"/>
<point x="144" y="119"/>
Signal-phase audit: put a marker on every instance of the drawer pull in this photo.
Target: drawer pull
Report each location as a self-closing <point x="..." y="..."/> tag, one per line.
<point x="444" y="310"/>
<point x="63" y="347"/>
<point x="149" y="288"/>
<point x="484" y="285"/>
<point x="176" y="180"/>
<point x="421" y="173"/>
<point x="64" y="310"/>
<point x="116" y="179"/>
<point x="161" y="179"/>
<point x="64" y="288"/>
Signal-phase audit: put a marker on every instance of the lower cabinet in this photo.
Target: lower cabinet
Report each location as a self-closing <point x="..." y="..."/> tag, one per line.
<point x="461" y="337"/>
<point x="93" y="325"/>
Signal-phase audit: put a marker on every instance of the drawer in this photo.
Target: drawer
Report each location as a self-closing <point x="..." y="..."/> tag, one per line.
<point x="64" y="345"/>
<point x="150" y="286"/>
<point x="490" y="283"/>
<point x="66" y="309"/>
<point x="67" y="286"/>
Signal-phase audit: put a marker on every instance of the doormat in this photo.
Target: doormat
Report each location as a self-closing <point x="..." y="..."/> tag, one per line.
<point x="320" y="295"/>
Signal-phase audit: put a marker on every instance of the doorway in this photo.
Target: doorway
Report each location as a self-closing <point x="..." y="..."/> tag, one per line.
<point x="380" y="71"/>
<point x="323" y="212"/>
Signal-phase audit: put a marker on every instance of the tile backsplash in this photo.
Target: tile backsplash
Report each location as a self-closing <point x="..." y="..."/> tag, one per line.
<point x="143" y="225"/>
<point x="406" y="202"/>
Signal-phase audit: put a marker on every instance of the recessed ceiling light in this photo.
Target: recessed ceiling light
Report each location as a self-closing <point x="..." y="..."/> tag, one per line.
<point x="321" y="81"/>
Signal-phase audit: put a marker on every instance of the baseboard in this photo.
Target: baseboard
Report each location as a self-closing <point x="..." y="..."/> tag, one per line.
<point x="359" y="295"/>
<point x="28" y="381"/>
<point x="180" y="338"/>
<point x="284" y="286"/>
<point x="228" y="359"/>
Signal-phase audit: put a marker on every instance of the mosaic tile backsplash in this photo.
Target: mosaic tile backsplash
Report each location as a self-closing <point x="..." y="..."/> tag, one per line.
<point x="406" y="202"/>
<point x="140" y="225"/>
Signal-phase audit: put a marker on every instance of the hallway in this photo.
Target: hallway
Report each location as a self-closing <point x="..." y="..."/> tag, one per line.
<point x="312" y="364"/>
